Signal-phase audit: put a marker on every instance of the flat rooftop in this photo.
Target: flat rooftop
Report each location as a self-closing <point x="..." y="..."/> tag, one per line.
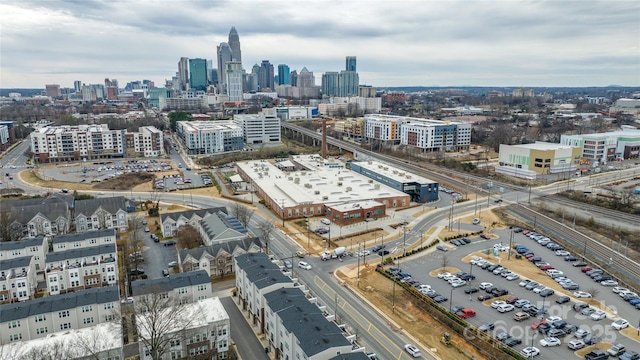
<point x="410" y="120"/>
<point x="328" y="182"/>
<point x="197" y="126"/>
<point x="394" y="172"/>
<point x="543" y="146"/>
<point x="367" y="204"/>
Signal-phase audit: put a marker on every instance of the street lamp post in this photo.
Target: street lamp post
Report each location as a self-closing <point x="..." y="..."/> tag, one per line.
<point x="358" y="254"/>
<point x="451" y="298"/>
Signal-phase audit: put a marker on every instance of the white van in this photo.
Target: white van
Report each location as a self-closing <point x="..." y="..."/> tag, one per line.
<point x="476" y="221"/>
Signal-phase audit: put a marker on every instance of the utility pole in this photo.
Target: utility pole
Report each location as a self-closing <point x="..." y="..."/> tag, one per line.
<point x="510" y="245"/>
<point x="358" y="254"/>
<point x="282" y="208"/>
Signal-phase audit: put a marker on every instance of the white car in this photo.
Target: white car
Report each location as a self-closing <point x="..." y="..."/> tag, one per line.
<point x="576" y="344"/>
<point x="581" y="294"/>
<point x="620" y="324"/>
<point x="550" y="341"/>
<point x="617" y="289"/>
<point x="512" y="276"/>
<point x="598" y="315"/>
<point x="506" y="308"/>
<point x="443" y="274"/>
<point x="562" y="252"/>
<point x="458" y="283"/>
<point x="304" y="265"/>
<point x="582" y="332"/>
<point x="609" y="283"/>
<point x="485" y="285"/>
<point x="412" y="350"/>
<point x="325" y="221"/>
<point x="530" y="352"/>
<point x="423" y="287"/>
<point x="627" y="292"/>
<point x="552" y="319"/>
<point x="498" y="303"/>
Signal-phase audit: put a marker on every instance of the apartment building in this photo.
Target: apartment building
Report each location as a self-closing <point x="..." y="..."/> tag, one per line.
<point x="259" y="128"/>
<point x="69" y="143"/>
<point x="210" y="137"/>
<point x="101" y="213"/>
<point x="296" y="328"/>
<point x="205" y="336"/>
<point x="172" y="221"/>
<point x="425" y="134"/>
<point x="81" y="268"/>
<point x="609" y="146"/>
<point x="257" y="275"/>
<point x="39" y="318"/>
<point x="17" y="279"/>
<point x="83" y="240"/>
<point x="217" y="259"/>
<point x="529" y="160"/>
<point x="190" y="287"/>
<point x="147" y="142"/>
<point x="36" y="247"/>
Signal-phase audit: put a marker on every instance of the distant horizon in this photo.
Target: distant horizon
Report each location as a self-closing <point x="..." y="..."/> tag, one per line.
<point x="480" y="43"/>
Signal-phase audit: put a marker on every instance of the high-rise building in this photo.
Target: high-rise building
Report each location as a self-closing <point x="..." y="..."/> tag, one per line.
<point x="349" y="83"/>
<point x="53" y="91"/>
<point x="265" y="76"/>
<point x="233" y="75"/>
<point x="183" y="72"/>
<point x="330" y="83"/>
<point x="234" y="44"/>
<point x="284" y="75"/>
<point x="350" y="64"/>
<point x="294" y="78"/>
<point x="77" y="85"/>
<point x="198" y="74"/>
<point x="305" y="79"/>
<point x="224" y="55"/>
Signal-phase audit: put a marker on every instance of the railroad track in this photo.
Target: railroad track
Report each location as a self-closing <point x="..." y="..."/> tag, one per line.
<point x="630" y="269"/>
<point x="618" y="215"/>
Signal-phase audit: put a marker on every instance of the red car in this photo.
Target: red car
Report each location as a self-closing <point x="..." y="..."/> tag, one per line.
<point x="546" y="267"/>
<point x="485" y="236"/>
<point x="525" y="232"/>
<point x="512" y="300"/>
<point x="466" y="313"/>
<point x="529" y="256"/>
<point x="537" y="324"/>
<point x="586" y="268"/>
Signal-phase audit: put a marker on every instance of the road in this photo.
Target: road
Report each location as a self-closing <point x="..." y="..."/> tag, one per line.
<point x="248" y="346"/>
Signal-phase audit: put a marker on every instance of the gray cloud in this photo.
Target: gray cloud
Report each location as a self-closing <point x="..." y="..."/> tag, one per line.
<point x="534" y="43"/>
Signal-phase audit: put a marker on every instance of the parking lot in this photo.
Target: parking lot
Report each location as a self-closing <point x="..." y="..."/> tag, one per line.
<point x="425" y="269"/>
<point x="156" y="255"/>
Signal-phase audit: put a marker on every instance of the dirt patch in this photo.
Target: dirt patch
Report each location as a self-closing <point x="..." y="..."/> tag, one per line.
<point x="171" y="208"/>
<point x="631" y="333"/>
<point x="125" y="181"/>
<point x="379" y="291"/>
<point x="488" y="302"/>
<point x="449" y="269"/>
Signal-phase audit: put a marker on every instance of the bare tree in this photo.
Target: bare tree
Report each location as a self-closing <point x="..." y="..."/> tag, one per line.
<point x="188" y="237"/>
<point x="265" y="228"/>
<point x="445" y="261"/>
<point x="132" y="246"/>
<point x="242" y="213"/>
<point x="161" y="319"/>
<point x="7" y="232"/>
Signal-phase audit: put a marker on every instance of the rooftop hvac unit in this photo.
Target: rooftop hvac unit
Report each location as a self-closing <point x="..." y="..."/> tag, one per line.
<point x="379" y="165"/>
<point x="290" y="178"/>
<point x="386" y="168"/>
<point x="400" y="174"/>
<point x="317" y="192"/>
<point x="339" y="183"/>
<point x="325" y="198"/>
<point x="376" y="186"/>
<point x="370" y="163"/>
<point x="394" y="171"/>
<point x="308" y="186"/>
<point x="340" y="178"/>
<point x="296" y="181"/>
<point x="370" y="181"/>
<point x="408" y="176"/>
<point x="349" y="188"/>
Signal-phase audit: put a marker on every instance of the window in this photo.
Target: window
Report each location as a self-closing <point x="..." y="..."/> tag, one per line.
<point x="175" y="342"/>
<point x="40" y="318"/>
<point x="88" y="320"/>
<point x="86" y="308"/>
<point x="182" y="291"/>
<point x="14" y="324"/>
<point x="15" y="337"/>
<point x="108" y="306"/>
<point x="63" y="314"/>
<point x="202" y="287"/>
<point x="65" y="326"/>
<point x="110" y="317"/>
<point x="42" y="330"/>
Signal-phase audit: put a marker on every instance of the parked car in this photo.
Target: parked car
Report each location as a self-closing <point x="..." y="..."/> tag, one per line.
<point x="576" y="344"/>
<point x="598" y="315"/>
<point x="487" y="326"/>
<point x="550" y="341"/>
<point x="563" y="299"/>
<point x="581" y="294"/>
<point x="530" y="351"/>
<point x="470" y="290"/>
<point x="620" y="324"/>
<point x="616" y="350"/>
<point x="596" y="355"/>
<point x="521" y="316"/>
<point x="630" y="355"/>
<point x="512" y="341"/>
<point x="169" y="243"/>
<point x="466" y="313"/>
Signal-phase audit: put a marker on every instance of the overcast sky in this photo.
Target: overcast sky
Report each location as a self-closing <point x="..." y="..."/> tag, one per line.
<point x="397" y="43"/>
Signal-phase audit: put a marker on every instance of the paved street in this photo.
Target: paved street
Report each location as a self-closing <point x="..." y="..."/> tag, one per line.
<point x="248" y="346"/>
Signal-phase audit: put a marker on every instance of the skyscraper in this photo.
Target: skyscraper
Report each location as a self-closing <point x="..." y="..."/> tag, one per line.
<point x="77" y="85"/>
<point x="350" y="64"/>
<point x="284" y="76"/>
<point x="234" y="44"/>
<point x="349" y="82"/>
<point x="294" y="78"/>
<point x="183" y="72"/>
<point x="198" y="74"/>
<point x="265" y="76"/>
<point x="233" y="74"/>
<point x="224" y="55"/>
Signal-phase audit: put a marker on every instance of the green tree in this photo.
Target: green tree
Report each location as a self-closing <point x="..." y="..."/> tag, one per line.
<point x="176" y="116"/>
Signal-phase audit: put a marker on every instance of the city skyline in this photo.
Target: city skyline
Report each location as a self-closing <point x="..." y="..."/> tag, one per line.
<point x="409" y="43"/>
